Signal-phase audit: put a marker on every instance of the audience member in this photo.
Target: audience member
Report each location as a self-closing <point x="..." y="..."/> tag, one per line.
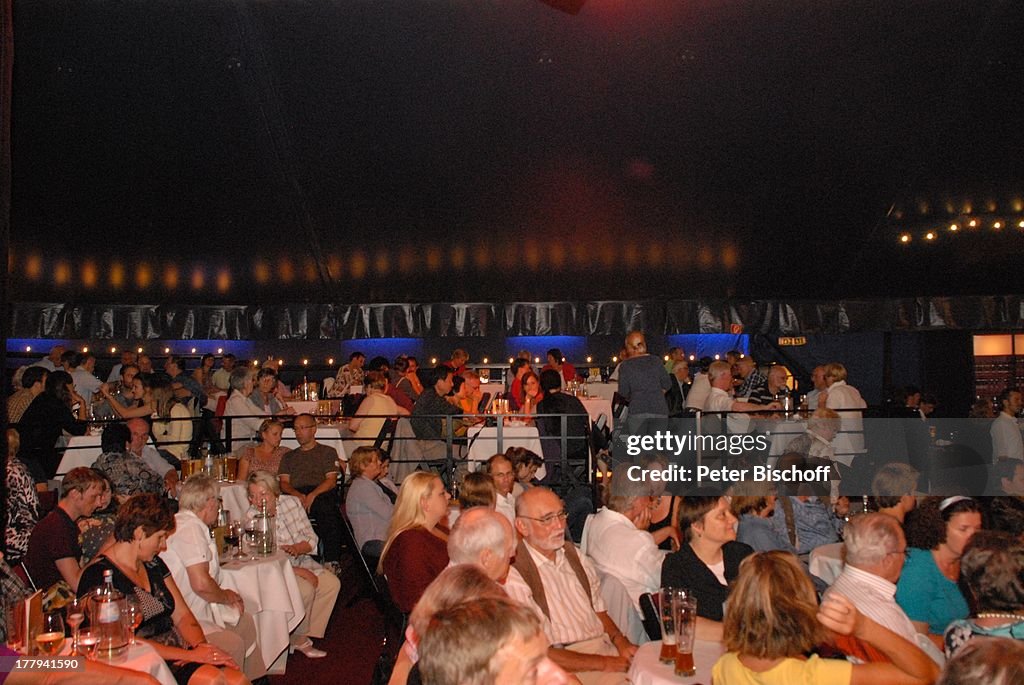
<point x="408" y="380"/>
<point x="266" y="454"/>
<point x="141" y="449"/>
<point x="501" y="471"/>
<point x="143" y="403"/>
<point x="846" y="401"/>
<point x="556" y="405"/>
<point x="42" y="423"/>
<point x="525" y="465"/>
<point x="96" y="531"/>
<point x="753" y="503"/>
<point x="1007" y="442"/>
<point x="893" y="489"/>
<point x="23" y="510"/>
<point x="643" y="381"/>
<point x="993" y="661"/>
<point x="367" y="506"/>
<point x="33" y="382"/>
<point x="80" y="366"/>
<point x="374" y="410"/>
<point x="221" y="378"/>
<point x="484" y="538"/>
<point x="348" y="375"/>
<point x="172" y="425"/>
<point x="557" y="363"/>
<point x="432" y="405"/>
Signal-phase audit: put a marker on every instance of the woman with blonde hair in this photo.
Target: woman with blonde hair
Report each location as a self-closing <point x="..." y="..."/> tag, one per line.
<point x="774" y="623"/>
<point x="172" y="431"/>
<point x="456" y="585"/>
<point x="416" y="549"/>
<point x="266" y="454"/>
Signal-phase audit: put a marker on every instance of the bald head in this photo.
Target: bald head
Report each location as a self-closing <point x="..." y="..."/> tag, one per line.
<point x="636" y="344"/>
<point x="140" y="433"/>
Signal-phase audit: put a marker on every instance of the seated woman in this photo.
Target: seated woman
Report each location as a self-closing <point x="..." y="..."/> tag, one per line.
<point x="937" y="534"/>
<point x="22" y="502"/>
<point x="774" y="623"/>
<point x="416" y="549"/>
<point x="709" y="558"/>
<point x="140" y="533"/>
<point x="242" y="384"/>
<point x="96" y="532"/>
<point x="266" y="454"/>
<point x="753" y="503"/>
<point x="406" y="379"/>
<point x="530" y="395"/>
<point x="992" y="568"/>
<point x="525" y="465"/>
<point x="172" y="428"/>
<point x="43" y="422"/>
<point x="144" y="406"/>
<point x="477" y="490"/>
<point x="295" y="537"/>
<point x="367" y="506"/>
<point x="374" y="409"/>
<point x="664" y="526"/>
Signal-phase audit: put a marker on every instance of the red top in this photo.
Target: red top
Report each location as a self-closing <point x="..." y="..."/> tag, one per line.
<point x="414" y="559"/>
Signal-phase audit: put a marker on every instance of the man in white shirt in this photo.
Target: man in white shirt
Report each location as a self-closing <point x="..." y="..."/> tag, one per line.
<point x="140" y="447"/>
<point x="484" y="538"/>
<point x="875" y="552"/>
<point x="191" y="555"/>
<point x="52" y="361"/>
<point x="843" y="398"/>
<point x="222" y="377"/>
<point x="719" y="399"/>
<point x="80" y="367"/>
<point x="617" y="541"/>
<point x="1005" y="431"/>
<point x="562" y="587"/>
<point x="499" y="467"/>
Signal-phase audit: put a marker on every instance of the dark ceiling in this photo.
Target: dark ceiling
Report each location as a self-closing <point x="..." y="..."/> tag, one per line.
<point x="498" y="149"/>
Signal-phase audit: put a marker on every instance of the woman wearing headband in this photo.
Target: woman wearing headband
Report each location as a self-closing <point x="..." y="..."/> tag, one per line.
<point x="937" y="534"/>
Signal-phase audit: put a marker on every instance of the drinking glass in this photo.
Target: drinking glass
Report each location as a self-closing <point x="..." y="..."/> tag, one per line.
<point x="87" y="643"/>
<point x="133" y="613"/>
<point x="51" y="635"/>
<point x="250" y="537"/>
<point x="685" y="610"/>
<point x="665" y="599"/>
<point x="13" y="612"/>
<point x="75" y="611"/>
<point x="234" y="538"/>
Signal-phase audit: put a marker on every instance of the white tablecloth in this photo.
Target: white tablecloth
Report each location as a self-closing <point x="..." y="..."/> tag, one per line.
<point x="325" y="435"/>
<point x="303" y="406"/>
<point x="141" y="658"/>
<point x="647" y="670"/>
<point x="236" y="499"/>
<point x="486" y="446"/>
<point x="604" y="390"/>
<point x="271" y="595"/>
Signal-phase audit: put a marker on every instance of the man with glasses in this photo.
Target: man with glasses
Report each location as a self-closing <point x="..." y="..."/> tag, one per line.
<point x="875" y="551"/>
<point x="310" y="472"/>
<point x="552" y="578"/>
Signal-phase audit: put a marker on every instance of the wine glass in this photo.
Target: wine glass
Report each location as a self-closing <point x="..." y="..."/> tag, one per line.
<point x="134" y="614"/>
<point x="250" y="536"/>
<point x="51" y="635"/>
<point x="75" y="610"/>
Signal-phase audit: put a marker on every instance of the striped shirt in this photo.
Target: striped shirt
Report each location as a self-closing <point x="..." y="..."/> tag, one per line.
<point x="573" y="619"/>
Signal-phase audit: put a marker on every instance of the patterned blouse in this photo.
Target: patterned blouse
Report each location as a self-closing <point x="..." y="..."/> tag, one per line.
<point x="271" y="463"/>
<point x="130" y="475"/>
<point x="22" y="508"/>
<point x="348" y="375"/>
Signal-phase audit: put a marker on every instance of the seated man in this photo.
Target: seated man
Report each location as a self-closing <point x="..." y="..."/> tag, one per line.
<point x="484" y="538"/>
<point x="488" y="642"/>
<point x="499" y="467"/>
<point x="433" y="403"/>
<point x="141" y="449"/>
<point x="191" y="555"/>
<point x="562" y="587"/>
<point x="53" y="550"/>
<point x="310" y="472"/>
<point x="129" y="474"/>
<point x="617" y="541"/>
<point x="875" y="552"/>
<point x="577" y="421"/>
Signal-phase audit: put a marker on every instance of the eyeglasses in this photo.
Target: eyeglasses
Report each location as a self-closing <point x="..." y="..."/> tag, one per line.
<point x="549" y="519"/>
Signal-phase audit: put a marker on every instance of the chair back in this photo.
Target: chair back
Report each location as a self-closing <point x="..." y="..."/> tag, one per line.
<point x="386" y="436"/>
<point x="651" y="619"/>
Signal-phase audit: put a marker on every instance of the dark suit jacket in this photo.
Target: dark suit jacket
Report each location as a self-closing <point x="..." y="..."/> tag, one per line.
<point x="676" y="398"/>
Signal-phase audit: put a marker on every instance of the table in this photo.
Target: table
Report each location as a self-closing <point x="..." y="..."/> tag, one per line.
<point x="236" y="499"/>
<point x="603" y="390"/>
<point x="647" y="670"/>
<point x="303" y="406"/>
<point x="597" y="406"/>
<point x="271" y="594"/>
<point x="85" y="453"/>
<point x="141" y="658"/>
<point x="826" y="562"/>
<point x="486" y="445"/>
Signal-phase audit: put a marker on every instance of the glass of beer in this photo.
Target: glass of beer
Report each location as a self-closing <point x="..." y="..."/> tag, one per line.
<point x="665" y="598"/>
<point x="685" y="610"/>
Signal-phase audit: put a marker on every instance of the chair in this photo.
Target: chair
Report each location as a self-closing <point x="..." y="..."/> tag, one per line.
<point x="328" y="384"/>
<point x="386" y="437"/>
<point x="651" y="620"/>
<point x="619" y="404"/>
<point x="620" y="608"/>
<point x="23" y="575"/>
<point x="349" y="540"/>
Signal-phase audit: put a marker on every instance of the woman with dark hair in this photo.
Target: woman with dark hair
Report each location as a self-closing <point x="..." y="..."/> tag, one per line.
<point x="709" y="559"/>
<point x="992" y="568"/>
<point x="140" y="534"/>
<point x="406" y="379"/>
<point x="141" y="391"/>
<point x="42" y="423"/>
<point x="530" y="394"/>
<point x="774" y="625"/>
<point x="525" y="465"/>
<point x="204" y="372"/>
<point x="937" y="534"/>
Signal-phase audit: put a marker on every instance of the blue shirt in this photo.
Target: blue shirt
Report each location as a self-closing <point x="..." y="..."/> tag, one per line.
<point x="760" y="534"/>
<point x="815" y="524"/>
<point x="927" y="595"/>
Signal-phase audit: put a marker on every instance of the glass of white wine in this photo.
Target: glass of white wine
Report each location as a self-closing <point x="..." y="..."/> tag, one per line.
<point x="75" y="612"/>
<point x="87" y="642"/>
<point x="134" y="614"/>
<point x="50" y="637"/>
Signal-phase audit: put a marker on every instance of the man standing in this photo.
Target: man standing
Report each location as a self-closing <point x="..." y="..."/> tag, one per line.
<point x="1005" y="431"/>
<point x="53" y="550"/>
<point x="222" y="376"/>
<point x="310" y="472"/>
<point x="33" y="381"/>
<point x="875" y="552"/>
<point x="499" y="467"/>
<point x="53" y="360"/>
<point x="550" y="577"/>
<point x="643" y="381"/>
<point x="80" y="366"/>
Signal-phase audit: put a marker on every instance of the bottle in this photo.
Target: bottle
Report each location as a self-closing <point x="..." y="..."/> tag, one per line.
<point x="105" y="618"/>
<point x="207" y="463"/>
<point x="265" y="522"/>
<point x="220" y="528"/>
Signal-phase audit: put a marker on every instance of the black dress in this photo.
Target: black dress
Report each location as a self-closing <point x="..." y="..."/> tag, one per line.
<point x="39" y="428"/>
<point x="683" y="569"/>
<point x="666" y="544"/>
<point x="157" y="606"/>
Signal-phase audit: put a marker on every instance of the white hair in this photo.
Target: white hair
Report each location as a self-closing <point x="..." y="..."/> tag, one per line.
<point x="477" y="529"/>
